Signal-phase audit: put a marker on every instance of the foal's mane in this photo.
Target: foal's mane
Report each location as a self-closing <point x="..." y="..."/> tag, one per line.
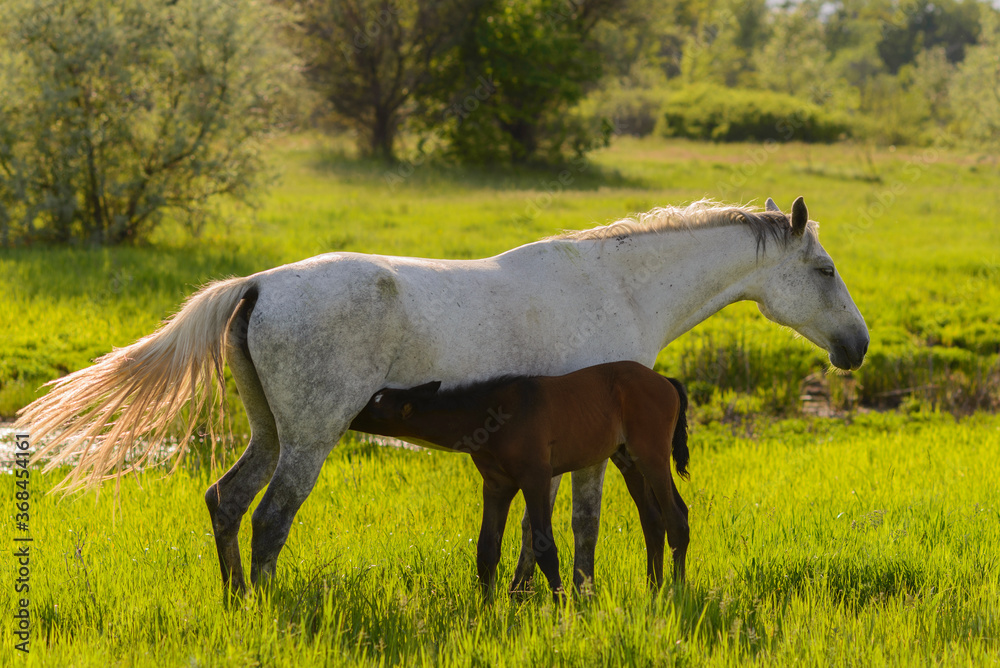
<point x="704" y="213"/>
<point x="467" y="396"/>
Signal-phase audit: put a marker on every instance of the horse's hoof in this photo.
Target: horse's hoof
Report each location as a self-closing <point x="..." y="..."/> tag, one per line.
<point x="585" y="587"/>
<point x="522" y="588"/>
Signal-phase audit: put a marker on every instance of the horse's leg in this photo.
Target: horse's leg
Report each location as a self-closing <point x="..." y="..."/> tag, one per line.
<point x="588" y="487"/>
<point x="537" y="497"/>
<point x="230" y="497"/>
<point x="498" y="492"/>
<point x="524" y="572"/>
<point x="649" y="516"/>
<point x="298" y="468"/>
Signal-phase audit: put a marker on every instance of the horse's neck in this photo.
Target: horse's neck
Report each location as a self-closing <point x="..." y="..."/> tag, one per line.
<point x="678" y="278"/>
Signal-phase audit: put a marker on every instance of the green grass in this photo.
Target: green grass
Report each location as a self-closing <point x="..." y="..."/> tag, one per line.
<point x="866" y="540"/>
<point x="814" y="543"/>
<point x="914" y="234"/>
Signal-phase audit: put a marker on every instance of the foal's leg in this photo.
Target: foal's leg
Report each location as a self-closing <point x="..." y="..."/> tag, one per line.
<point x="649" y="516"/>
<point x="588" y="486"/>
<point x="230" y="497"/>
<point x="535" y="487"/>
<point x="498" y="492"/>
<point x="524" y="572"/>
<point x="674" y="519"/>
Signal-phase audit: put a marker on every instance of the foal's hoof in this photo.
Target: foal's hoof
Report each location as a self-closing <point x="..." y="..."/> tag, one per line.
<point x="559" y="596"/>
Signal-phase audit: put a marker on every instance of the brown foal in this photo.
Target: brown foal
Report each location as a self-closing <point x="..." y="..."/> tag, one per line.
<point x="522" y="430"/>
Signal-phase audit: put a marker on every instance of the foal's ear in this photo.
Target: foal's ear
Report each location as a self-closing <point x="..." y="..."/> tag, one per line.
<point x="427" y="388"/>
<point x="800" y="216"/>
<point x="769" y="205"/>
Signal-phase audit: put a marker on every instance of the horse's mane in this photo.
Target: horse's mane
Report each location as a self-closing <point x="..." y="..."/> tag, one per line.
<point x="701" y="214"/>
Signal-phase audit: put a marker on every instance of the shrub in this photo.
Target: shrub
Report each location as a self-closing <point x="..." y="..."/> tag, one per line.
<point x="509" y="91"/>
<point x="737" y="114"/>
<point x="630" y="111"/>
<point x="113" y="113"/>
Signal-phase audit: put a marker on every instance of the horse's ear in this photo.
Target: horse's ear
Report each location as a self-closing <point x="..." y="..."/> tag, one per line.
<point x="800" y="216"/>
<point x="769" y="205"/>
<point x="427" y="388"/>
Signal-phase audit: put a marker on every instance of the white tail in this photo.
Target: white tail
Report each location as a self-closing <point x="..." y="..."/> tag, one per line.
<point x="100" y="412"/>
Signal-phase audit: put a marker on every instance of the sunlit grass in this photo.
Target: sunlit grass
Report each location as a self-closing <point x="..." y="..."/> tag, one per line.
<point x="816" y="543"/>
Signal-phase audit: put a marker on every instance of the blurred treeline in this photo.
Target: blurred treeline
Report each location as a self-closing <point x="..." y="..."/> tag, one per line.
<point x="886" y="71"/>
<point x="116" y="114"/>
<point x="504" y="80"/>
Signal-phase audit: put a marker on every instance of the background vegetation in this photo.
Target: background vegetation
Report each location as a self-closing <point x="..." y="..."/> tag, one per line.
<point x="114" y="115"/>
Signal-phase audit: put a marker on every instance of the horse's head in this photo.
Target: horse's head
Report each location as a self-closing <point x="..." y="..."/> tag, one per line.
<point x="803" y="290"/>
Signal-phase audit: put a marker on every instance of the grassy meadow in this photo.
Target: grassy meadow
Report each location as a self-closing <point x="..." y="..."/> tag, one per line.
<point x="868" y="538"/>
<point x="813" y="543"/>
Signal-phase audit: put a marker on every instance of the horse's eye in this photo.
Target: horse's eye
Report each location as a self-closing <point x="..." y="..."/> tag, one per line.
<point x="826" y="271"/>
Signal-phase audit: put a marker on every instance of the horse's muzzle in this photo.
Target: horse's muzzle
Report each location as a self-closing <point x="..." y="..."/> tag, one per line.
<point x="849" y="353"/>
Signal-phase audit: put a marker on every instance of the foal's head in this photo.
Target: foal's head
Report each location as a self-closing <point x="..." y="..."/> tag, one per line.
<point x="395" y="405"/>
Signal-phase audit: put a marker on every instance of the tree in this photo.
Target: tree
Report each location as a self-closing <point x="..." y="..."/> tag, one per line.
<point x="975" y="90"/>
<point x="114" y="113"/>
<point x="722" y="46"/>
<point x="515" y="77"/>
<point x="917" y="25"/>
<point x="372" y="58"/>
<point x="795" y="60"/>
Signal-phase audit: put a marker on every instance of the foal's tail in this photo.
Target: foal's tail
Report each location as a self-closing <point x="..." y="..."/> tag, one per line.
<point x="679" y="447"/>
<point x="99" y="413"/>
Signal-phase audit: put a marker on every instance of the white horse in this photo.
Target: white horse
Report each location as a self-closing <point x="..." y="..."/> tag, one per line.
<point x="309" y="343"/>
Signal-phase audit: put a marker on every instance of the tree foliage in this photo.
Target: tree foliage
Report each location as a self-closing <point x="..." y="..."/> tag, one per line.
<point x="975" y="90"/>
<point x="372" y="59"/>
<point x="114" y="113"/>
<point x="516" y="75"/>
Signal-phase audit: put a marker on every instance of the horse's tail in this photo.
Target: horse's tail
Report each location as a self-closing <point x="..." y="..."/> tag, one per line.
<point x="99" y="413"/>
<point x="679" y="447"/>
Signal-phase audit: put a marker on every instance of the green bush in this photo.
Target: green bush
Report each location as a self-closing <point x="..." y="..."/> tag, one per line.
<point x="629" y="111"/>
<point x="113" y="113"/>
<point x="737" y="114"/>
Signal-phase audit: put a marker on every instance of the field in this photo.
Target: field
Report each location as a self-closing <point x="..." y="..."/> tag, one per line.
<point x="914" y="234"/>
<point x="866" y="538"/>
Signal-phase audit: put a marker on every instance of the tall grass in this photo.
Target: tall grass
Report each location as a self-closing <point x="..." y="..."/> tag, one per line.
<point x="814" y="543"/>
